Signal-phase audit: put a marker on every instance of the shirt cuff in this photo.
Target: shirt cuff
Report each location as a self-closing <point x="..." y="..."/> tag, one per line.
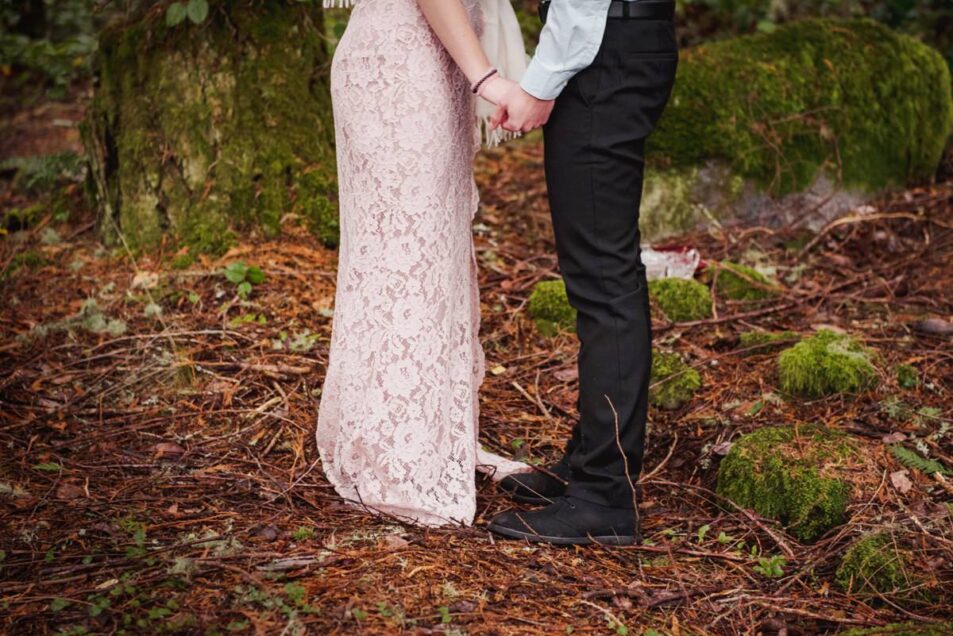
<point x="543" y="83"/>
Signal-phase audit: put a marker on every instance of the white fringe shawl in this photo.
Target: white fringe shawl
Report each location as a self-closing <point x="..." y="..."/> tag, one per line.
<point x="502" y="41"/>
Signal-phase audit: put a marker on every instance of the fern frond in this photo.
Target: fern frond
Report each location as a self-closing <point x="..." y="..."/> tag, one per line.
<point x="912" y="459"/>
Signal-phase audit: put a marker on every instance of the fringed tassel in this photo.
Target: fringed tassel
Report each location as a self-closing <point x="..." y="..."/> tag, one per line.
<point x="492" y="137"/>
<point x="338" y="4"/>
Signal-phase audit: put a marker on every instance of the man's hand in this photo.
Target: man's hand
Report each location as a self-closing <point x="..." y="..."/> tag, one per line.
<point x="517" y="110"/>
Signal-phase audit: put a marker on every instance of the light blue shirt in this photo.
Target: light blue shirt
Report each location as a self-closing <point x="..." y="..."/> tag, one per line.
<point x="568" y="43"/>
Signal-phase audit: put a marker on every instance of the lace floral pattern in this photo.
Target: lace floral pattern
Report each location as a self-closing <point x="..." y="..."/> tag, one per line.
<point x="397" y="426"/>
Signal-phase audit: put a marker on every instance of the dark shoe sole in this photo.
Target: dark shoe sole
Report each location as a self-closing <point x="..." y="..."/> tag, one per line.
<point x="586" y="540"/>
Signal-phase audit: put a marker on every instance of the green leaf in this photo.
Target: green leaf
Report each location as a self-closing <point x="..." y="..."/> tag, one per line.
<point x="175" y="14"/>
<point x="912" y="459"/>
<point x="198" y="11"/>
<point x="244" y="289"/>
<point x="50" y="467"/>
<point x="235" y="272"/>
<point x="702" y="531"/>
<point x="445" y="616"/>
<point x="59" y="604"/>
<point x="755" y="408"/>
<point x="255" y="276"/>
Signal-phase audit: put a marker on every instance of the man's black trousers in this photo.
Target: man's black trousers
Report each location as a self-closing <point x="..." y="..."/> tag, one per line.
<point x="594" y="158"/>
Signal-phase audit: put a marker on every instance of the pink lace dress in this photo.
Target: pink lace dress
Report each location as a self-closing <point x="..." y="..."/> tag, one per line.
<point x="397" y="425"/>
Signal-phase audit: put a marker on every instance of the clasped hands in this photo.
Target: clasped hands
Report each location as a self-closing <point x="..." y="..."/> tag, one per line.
<point x="516" y="110"/>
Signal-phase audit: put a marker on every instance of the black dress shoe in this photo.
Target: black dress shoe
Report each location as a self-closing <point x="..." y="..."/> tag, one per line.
<point x="538" y="486"/>
<point x="570" y="521"/>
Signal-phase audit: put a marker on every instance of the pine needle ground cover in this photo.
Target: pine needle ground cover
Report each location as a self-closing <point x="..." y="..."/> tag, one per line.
<point x="159" y="474"/>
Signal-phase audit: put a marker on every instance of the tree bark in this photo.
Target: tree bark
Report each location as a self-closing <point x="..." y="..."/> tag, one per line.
<point x="199" y="132"/>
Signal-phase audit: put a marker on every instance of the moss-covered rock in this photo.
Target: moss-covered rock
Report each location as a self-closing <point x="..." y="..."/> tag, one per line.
<point x="777" y="107"/>
<point x="735" y="281"/>
<point x="876" y="564"/>
<point x="821" y="112"/>
<point x="795" y="475"/>
<point x="673" y="382"/>
<point x="766" y="340"/>
<point x="550" y="309"/>
<point x="681" y="299"/>
<point x="824" y="364"/>
<point x="196" y="131"/>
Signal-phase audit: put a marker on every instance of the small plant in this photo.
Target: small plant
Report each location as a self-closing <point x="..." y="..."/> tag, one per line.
<point x="244" y="277"/>
<point x="137" y="531"/>
<point x="41" y="173"/>
<point x="702" y="531"/>
<point x="911" y="459"/>
<point x="771" y="567"/>
<point x="245" y="319"/>
<point x="195" y="10"/>
<point x="303" y="533"/>
<point x="445" y="616"/>
<point x="907" y="376"/>
<point x="300" y="342"/>
<point x="59" y="604"/>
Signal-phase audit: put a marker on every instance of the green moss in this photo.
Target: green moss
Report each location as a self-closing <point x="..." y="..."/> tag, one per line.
<point x="740" y="282"/>
<point x="681" y="299"/>
<point x="31" y="259"/>
<point x="17" y="219"/>
<point x="550" y="309"/>
<point x="183" y="261"/>
<point x="826" y="363"/>
<point x="766" y="340"/>
<point x="903" y="629"/>
<point x="850" y="98"/>
<point x="673" y="382"/>
<point x="907" y="376"/>
<point x="794" y="479"/>
<point x="875" y="564"/>
<point x="200" y="132"/>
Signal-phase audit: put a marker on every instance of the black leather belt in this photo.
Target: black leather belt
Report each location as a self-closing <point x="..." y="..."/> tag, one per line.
<point x="630" y="10"/>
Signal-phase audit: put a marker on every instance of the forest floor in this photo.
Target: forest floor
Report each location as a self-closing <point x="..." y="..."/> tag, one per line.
<point x="158" y="470"/>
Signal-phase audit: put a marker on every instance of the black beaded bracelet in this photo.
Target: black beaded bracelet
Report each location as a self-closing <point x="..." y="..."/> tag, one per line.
<point x="476" y="87"/>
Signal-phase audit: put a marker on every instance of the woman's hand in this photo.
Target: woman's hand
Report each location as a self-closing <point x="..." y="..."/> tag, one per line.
<point x="495" y="88"/>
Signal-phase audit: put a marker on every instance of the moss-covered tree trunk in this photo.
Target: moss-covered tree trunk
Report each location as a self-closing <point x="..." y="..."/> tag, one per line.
<point x="197" y="131"/>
